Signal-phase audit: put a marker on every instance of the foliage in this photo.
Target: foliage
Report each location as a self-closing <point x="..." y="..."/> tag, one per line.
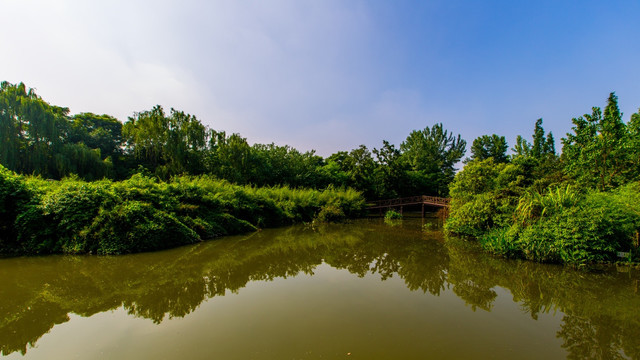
<point x="330" y="213"/>
<point x="142" y="213"/>
<point x="392" y="215"/>
<point x="15" y="198"/>
<point x="45" y="140"/>
<point x="484" y="195"/>
<point x="168" y="144"/>
<point x="565" y="227"/>
<point x="602" y="224"/>
<point x="486" y="146"/>
<point x="390" y="174"/>
<point x="430" y="156"/>
<point x="577" y="209"/>
<point x="501" y="241"/>
<point x="534" y="205"/>
<point x="134" y="226"/>
<point x="30" y="130"/>
<point x="602" y="152"/>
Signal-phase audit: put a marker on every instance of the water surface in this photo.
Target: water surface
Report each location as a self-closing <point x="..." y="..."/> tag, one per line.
<point x="364" y="290"/>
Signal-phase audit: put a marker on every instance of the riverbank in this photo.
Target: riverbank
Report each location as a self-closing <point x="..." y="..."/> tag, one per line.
<point x="560" y="223"/>
<point x="142" y="214"/>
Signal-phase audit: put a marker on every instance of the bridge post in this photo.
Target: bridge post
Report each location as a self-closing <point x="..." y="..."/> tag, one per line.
<point x="423" y="210"/>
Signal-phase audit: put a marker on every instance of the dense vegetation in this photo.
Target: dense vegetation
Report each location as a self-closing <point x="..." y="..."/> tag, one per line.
<point x="142" y="214"/>
<point x="41" y="139"/>
<point x="576" y="208"/>
<point x="165" y="179"/>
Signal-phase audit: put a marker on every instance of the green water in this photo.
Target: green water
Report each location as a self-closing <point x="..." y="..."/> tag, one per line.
<point x="365" y="290"/>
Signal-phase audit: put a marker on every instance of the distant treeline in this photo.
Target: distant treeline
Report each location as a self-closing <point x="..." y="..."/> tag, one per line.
<point x="41" y="139"/>
<point x="580" y="207"/>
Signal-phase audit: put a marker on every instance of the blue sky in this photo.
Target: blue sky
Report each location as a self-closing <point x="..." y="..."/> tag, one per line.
<point x="331" y="75"/>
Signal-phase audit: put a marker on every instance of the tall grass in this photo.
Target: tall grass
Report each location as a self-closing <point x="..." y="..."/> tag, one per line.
<point x="534" y="205"/>
<point x="564" y="226"/>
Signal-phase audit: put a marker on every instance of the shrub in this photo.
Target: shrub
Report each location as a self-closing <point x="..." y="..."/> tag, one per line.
<point x="593" y="230"/>
<point x="501" y="242"/>
<point x="330" y="213"/>
<point x="15" y="198"/>
<point x="392" y="215"/>
<point x="134" y="226"/>
<point x="484" y="195"/>
<point x="142" y="214"/>
<point x="534" y="205"/>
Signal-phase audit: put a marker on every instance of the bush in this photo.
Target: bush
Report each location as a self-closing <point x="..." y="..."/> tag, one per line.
<point x="484" y="195"/>
<point x="392" y="215"/>
<point x="593" y="230"/>
<point x="330" y="213"/>
<point x="134" y="226"/>
<point x="15" y="198"/>
<point x="142" y="214"/>
<point x="501" y="242"/>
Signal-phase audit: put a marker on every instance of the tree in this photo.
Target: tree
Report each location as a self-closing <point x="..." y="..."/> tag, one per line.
<point x="168" y="145"/>
<point x="597" y="153"/>
<point x="102" y="132"/>
<point x="30" y="130"/>
<point x="230" y="157"/>
<point x="430" y="156"/>
<point x="487" y="146"/>
<point x="353" y="169"/>
<point x="633" y="146"/>
<point x="361" y="168"/>
<point x="539" y="144"/>
<point x="522" y="147"/>
<point x="390" y="173"/>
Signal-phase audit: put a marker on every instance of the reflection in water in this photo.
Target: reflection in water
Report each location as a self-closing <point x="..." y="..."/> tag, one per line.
<point x="601" y="310"/>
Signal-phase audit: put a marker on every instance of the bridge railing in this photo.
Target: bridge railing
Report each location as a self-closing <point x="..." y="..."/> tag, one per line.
<point x="421" y="199"/>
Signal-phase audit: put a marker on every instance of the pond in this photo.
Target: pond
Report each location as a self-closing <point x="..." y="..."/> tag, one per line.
<point x="368" y="289"/>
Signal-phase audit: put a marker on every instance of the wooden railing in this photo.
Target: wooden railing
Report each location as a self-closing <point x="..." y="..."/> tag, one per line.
<point x="412" y="200"/>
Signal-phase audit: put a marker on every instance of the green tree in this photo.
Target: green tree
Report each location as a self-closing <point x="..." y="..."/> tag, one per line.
<point x="31" y="130"/>
<point x="102" y="132"/>
<point x="538" y="148"/>
<point x="168" y="145"/>
<point x="430" y="156"/>
<point x="230" y="157"/>
<point x="633" y="146"/>
<point x="487" y="146"/>
<point x="597" y="153"/>
<point x="390" y="174"/>
<point x="352" y="169"/>
<point x="522" y="147"/>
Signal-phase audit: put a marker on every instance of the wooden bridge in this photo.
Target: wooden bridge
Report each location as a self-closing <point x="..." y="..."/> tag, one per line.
<point x="412" y="200"/>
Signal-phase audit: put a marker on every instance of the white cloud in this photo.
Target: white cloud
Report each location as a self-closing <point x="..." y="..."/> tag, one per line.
<point x="264" y="69"/>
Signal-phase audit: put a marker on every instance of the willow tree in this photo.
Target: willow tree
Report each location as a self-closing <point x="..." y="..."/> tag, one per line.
<point x="168" y="145"/>
<point x="31" y="130"/>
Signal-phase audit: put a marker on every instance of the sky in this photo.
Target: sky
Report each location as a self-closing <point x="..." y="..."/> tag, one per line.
<point x="330" y="75"/>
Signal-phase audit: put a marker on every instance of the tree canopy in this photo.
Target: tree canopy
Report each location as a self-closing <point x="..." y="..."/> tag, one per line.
<point x="46" y="140"/>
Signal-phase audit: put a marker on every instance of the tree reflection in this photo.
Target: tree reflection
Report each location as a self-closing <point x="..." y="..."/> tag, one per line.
<point x="601" y="317"/>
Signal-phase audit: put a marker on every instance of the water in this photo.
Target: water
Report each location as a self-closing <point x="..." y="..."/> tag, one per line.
<point x="365" y="290"/>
